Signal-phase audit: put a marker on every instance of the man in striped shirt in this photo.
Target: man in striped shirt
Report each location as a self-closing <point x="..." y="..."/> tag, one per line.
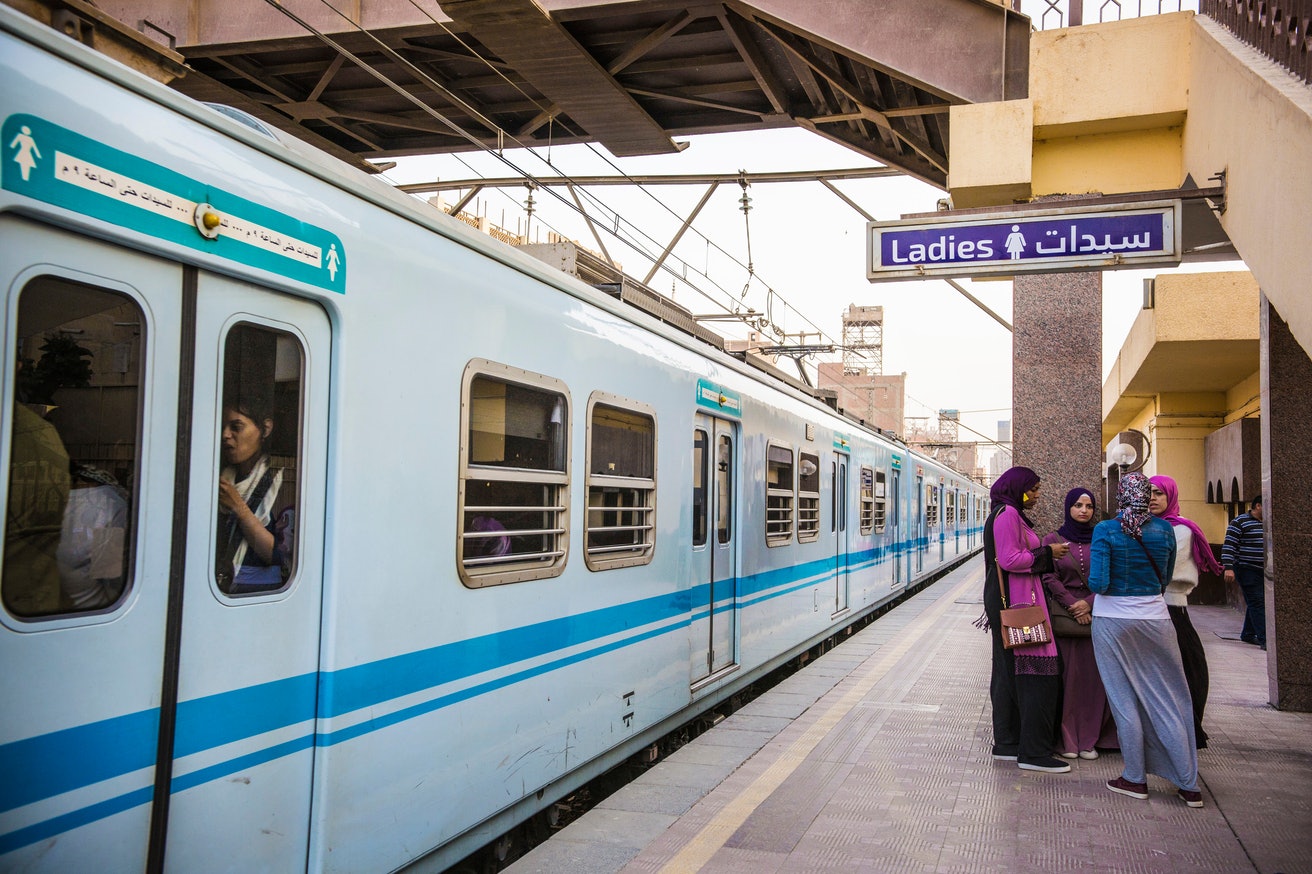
<point x="1243" y="556"/>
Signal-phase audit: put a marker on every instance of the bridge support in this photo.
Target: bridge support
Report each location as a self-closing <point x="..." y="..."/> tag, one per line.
<point x="1057" y="385"/>
<point x="1287" y="503"/>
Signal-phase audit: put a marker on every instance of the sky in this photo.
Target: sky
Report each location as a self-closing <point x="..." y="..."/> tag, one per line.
<point x="806" y="245"/>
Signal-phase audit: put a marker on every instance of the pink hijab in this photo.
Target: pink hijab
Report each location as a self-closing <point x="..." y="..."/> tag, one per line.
<point x="1202" y="553"/>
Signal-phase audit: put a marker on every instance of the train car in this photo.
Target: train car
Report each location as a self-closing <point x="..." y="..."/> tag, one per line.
<point x="341" y="537"/>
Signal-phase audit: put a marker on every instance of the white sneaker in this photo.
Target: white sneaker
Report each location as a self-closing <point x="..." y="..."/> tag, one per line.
<point x="1088" y="754"/>
<point x="1070" y="755"/>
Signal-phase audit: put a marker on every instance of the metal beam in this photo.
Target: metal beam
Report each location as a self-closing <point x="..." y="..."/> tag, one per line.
<point x="679" y="236"/>
<point x="675" y="179"/>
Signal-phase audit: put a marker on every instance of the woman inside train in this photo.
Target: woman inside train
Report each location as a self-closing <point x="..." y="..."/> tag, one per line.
<point x="1192" y="554"/>
<point x="255" y="533"/>
<point x="1086" y="719"/>
<point x="1134" y="643"/>
<point x="1025" y="685"/>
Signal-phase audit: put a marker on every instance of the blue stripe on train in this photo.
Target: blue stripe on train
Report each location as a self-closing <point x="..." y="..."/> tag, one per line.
<point x="65" y="760"/>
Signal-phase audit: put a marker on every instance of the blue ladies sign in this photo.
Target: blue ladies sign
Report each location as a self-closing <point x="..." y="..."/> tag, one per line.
<point x="1026" y="241"/>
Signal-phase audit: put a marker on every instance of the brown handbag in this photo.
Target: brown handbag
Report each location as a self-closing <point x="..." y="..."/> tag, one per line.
<point x="1024" y="624"/>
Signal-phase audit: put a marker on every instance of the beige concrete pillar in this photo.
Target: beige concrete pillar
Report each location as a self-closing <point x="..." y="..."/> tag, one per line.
<point x="1286" y="499"/>
<point x="1057" y="385"/>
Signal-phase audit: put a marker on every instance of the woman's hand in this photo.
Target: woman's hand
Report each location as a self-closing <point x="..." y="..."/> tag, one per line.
<point x="229" y="498"/>
<point x="1059" y="550"/>
<point x="1080" y="610"/>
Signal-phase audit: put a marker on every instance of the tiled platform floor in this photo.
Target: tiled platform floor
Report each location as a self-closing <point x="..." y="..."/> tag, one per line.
<point x="876" y="758"/>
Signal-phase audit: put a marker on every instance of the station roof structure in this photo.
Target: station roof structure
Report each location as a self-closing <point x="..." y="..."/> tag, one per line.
<point x="454" y="75"/>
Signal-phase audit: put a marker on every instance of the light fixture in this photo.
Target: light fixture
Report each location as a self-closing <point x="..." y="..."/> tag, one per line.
<point x="1123" y="455"/>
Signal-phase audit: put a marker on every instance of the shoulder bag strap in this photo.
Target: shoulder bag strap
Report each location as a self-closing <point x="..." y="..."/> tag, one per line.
<point x="1151" y="560"/>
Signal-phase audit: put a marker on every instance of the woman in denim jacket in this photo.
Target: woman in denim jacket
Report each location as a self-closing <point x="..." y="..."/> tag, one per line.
<point x="1134" y="642"/>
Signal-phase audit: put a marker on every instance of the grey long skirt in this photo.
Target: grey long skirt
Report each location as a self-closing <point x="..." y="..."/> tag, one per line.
<point x="1139" y="661"/>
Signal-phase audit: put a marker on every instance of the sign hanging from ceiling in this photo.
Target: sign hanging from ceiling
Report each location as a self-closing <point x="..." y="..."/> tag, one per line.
<point x="1007" y="243"/>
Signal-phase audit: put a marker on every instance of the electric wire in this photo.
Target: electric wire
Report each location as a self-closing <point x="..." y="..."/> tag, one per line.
<point x="491" y="125"/>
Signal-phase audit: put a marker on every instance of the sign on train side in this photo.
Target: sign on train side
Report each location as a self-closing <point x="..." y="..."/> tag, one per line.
<point x="1025" y="241"/>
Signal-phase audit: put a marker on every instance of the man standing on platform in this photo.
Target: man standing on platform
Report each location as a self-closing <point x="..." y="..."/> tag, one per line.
<point x="1244" y="556"/>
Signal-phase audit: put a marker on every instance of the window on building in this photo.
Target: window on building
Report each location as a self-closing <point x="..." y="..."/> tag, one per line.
<point x="514" y="475"/>
<point x="621" y="483"/>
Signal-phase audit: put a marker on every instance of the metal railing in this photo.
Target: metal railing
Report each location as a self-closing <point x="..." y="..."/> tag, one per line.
<point x="1050" y="14"/>
<point x="1278" y="29"/>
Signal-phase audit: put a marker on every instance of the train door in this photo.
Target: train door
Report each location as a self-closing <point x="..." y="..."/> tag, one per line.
<point x="958" y="513"/>
<point x="151" y="715"/>
<point x="941" y="520"/>
<point x="840" y="532"/>
<point x="87" y="447"/>
<point x="898" y="539"/>
<point x="921" y="540"/>
<point x="714" y="587"/>
<point x="250" y="612"/>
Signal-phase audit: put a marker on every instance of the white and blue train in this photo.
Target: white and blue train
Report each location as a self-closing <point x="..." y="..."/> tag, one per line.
<point x="339" y="536"/>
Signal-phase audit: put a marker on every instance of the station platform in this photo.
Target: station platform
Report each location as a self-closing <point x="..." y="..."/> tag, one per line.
<point x="876" y="757"/>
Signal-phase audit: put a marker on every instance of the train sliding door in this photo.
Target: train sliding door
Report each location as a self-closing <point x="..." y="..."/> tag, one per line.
<point x="840" y="532"/>
<point x="250" y="609"/>
<point x="156" y="712"/>
<point x="899" y="533"/>
<point x="714" y="586"/>
<point x="90" y="419"/>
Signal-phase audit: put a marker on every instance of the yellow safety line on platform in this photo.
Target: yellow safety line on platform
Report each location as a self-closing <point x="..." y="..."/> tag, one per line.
<point x="698" y="851"/>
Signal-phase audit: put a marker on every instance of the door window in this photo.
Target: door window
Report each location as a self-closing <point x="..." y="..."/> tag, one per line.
<point x="75" y="424"/>
<point x="259" y="450"/>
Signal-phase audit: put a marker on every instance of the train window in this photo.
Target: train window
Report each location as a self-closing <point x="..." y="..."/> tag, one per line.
<point x="514" y="475"/>
<point x="931" y="505"/>
<point x="260" y="446"/>
<point x="881" y="502"/>
<point x="70" y="509"/>
<point x="808" y="498"/>
<point x="950" y="512"/>
<point x="621" y="483"/>
<point x="778" y="495"/>
<point x="867" y="500"/>
<point x="699" y="459"/>
<point x="723" y="489"/>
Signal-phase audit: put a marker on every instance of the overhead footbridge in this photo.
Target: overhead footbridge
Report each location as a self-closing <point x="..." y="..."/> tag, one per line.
<point x="382" y="79"/>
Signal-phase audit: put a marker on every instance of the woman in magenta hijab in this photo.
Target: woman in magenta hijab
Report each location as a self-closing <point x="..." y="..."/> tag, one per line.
<point x="1086" y="718"/>
<point x="1025" y="684"/>
<point x="1193" y="554"/>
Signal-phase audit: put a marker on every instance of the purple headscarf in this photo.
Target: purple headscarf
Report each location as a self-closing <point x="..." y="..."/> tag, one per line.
<point x="1132" y="496"/>
<point x="1078" y="532"/>
<point x="1201" y="552"/>
<point x="1011" y="487"/>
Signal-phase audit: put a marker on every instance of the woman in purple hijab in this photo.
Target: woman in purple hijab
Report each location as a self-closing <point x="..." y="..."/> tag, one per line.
<point x="1025" y="686"/>
<point x="1192" y="554"/>
<point x="1086" y="718"/>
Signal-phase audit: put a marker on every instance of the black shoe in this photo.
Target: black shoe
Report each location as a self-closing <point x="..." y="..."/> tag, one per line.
<point x="1047" y="764"/>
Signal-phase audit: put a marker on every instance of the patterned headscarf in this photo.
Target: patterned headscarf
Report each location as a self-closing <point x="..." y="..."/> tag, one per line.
<point x="1132" y="496"/>
<point x="1199" y="549"/>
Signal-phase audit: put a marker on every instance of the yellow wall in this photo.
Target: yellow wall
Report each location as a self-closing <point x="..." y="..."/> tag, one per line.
<point x="1108" y="163"/>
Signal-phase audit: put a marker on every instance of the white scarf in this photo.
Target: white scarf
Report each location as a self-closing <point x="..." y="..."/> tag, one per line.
<point x="245" y="488"/>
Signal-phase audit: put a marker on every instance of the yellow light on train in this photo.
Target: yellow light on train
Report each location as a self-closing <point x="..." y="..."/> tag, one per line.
<point x="207" y="221"/>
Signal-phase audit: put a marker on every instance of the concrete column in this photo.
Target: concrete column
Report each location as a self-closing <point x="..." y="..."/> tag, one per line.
<point x="1057" y="385"/>
<point x="1286" y="499"/>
